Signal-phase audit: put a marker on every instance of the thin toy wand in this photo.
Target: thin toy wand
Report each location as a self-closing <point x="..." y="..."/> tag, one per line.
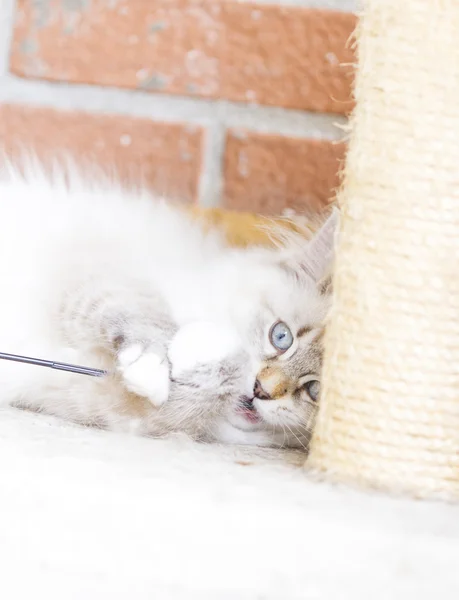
<point x="54" y="365"/>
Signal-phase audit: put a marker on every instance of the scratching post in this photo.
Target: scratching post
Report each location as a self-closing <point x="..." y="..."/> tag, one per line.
<point x="390" y="409"/>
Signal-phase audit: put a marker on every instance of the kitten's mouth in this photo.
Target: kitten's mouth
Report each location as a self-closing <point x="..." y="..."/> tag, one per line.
<point x="248" y="410"/>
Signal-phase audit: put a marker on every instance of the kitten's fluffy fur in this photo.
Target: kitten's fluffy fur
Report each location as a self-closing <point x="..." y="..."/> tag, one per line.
<point x="97" y="276"/>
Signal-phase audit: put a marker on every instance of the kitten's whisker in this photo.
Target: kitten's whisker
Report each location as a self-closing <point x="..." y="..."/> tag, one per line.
<point x="296" y="437"/>
<point x="285" y="436"/>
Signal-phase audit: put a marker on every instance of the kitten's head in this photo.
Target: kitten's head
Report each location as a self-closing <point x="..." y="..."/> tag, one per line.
<point x="287" y="296"/>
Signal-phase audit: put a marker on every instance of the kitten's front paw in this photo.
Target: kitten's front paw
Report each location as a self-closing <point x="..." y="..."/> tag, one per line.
<point x="145" y="373"/>
<point x="201" y="342"/>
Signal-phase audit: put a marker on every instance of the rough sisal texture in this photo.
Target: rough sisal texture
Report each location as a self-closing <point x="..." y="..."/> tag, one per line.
<point x="390" y="412"/>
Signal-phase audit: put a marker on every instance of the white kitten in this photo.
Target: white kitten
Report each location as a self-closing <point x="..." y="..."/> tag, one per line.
<point x="223" y="344"/>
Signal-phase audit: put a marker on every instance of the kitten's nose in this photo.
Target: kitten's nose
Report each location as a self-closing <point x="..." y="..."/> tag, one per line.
<point x="259" y="392"/>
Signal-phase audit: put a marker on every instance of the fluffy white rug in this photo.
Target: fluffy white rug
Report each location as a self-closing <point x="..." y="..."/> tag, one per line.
<point x="92" y="515"/>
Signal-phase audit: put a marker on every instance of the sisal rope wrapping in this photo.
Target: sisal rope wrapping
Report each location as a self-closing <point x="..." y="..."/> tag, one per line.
<point x="389" y="416"/>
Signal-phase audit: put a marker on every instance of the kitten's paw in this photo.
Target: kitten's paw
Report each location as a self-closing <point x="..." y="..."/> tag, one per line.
<point x="201" y="342"/>
<point x="145" y="373"/>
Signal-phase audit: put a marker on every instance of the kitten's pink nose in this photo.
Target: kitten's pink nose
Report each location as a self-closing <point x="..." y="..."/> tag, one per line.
<point x="259" y="392"/>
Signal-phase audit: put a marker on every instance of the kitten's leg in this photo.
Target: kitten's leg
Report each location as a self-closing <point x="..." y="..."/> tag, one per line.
<point x="133" y="327"/>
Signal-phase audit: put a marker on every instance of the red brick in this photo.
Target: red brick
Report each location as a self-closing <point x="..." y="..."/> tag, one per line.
<point x="166" y="157"/>
<point x="285" y="56"/>
<point x="269" y="173"/>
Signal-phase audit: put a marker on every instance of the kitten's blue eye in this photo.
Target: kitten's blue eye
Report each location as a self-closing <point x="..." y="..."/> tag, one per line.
<point x="280" y="336"/>
<point x="313" y="389"/>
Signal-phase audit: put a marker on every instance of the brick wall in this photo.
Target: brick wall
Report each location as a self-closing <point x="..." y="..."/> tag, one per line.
<point x="221" y="102"/>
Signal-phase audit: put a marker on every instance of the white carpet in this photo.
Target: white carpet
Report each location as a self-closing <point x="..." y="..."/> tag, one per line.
<point x="91" y="515"/>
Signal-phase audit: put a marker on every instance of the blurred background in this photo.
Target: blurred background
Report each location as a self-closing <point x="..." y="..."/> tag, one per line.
<point x="222" y="103"/>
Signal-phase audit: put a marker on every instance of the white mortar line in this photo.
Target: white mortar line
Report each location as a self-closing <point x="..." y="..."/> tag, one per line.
<point x="165" y="108"/>
<point x="211" y="179"/>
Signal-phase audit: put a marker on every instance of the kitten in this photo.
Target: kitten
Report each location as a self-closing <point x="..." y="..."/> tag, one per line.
<point x="223" y="344"/>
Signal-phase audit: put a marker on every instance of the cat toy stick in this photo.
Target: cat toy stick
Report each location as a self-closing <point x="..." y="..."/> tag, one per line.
<point x="54" y="365"/>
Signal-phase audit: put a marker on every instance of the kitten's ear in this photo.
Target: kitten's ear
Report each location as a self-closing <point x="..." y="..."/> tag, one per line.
<point x="314" y="259"/>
